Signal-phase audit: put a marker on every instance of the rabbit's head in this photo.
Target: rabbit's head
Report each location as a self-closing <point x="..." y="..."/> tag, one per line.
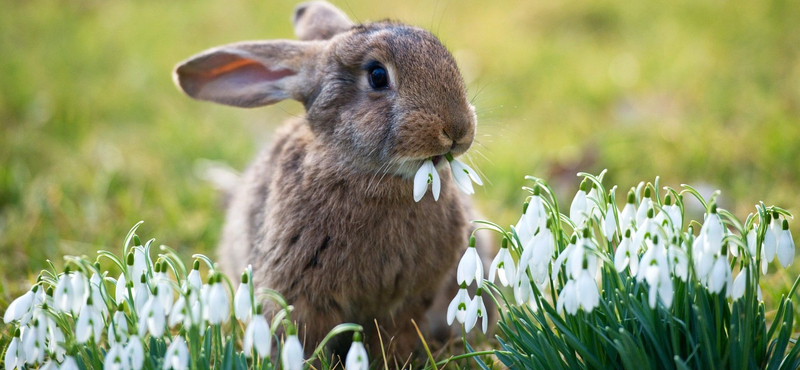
<point x="380" y="95"/>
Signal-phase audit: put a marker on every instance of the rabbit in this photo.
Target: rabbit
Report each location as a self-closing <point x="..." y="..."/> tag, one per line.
<point x="326" y="214"/>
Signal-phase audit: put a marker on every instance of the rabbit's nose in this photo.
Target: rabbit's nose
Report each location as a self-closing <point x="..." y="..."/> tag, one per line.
<point x="460" y="132"/>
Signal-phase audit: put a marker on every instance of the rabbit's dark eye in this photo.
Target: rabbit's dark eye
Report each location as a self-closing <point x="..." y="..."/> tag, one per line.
<point x="378" y="77"/>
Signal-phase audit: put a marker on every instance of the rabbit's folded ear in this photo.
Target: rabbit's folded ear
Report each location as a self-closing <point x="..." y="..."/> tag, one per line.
<point x="250" y="74"/>
<point x="319" y="20"/>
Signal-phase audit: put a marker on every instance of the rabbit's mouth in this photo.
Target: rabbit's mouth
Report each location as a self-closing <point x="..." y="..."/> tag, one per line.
<point x="437" y="159"/>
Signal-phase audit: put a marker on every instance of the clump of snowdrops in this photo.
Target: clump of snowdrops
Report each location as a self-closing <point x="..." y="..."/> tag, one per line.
<point x="636" y="288"/>
<point x="157" y="314"/>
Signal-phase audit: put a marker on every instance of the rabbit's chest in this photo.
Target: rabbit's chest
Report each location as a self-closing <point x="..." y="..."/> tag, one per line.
<point x="362" y="255"/>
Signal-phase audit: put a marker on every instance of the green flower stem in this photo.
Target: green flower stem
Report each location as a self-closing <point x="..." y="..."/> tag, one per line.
<point x="205" y="259"/>
<point x="129" y="237"/>
<point x="338" y="329"/>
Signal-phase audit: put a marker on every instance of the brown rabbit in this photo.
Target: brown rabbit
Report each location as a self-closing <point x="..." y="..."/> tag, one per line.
<point x="326" y="214"/>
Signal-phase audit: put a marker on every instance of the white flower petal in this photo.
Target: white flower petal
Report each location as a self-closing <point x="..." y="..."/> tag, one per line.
<point x="292" y="354"/>
<point x="356" y="357"/>
<point x="785" y="249"/>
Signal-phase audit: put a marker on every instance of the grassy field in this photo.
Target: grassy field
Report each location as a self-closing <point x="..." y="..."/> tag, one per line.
<point x="94" y="136"/>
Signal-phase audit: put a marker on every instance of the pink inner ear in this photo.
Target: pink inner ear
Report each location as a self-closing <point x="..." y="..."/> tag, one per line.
<point x="227" y="73"/>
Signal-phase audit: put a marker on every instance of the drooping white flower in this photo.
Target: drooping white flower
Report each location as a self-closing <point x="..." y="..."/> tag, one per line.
<point x="177" y="356"/>
<point x="118" y="330"/>
<point x="628" y="215"/>
<point x="179" y="314"/>
<point x="90" y="324"/>
<point x="537" y="255"/>
<point x="785" y="248"/>
<point x="771" y="236"/>
<point x="476" y="309"/>
<point x="678" y="262"/>
<point x="20" y="306"/>
<point x="69" y="293"/>
<point x="610" y="222"/>
<point x="257" y="335"/>
<point x="135" y="352"/>
<point x="644" y="206"/>
<point x="15" y="357"/>
<point x="577" y="210"/>
<point x="139" y="266"/>
<point x="242" y="304"/>
<point x="740" y="285"/>
<point x="568" y="298"/>
<point x="121" y="290"/>
<point x="457" y="309"/>
<point x="292" y="354"/>
<point x="470" y="268"/>
<point x="217" y="304"/>
<point x="116" y="358"/>
<point x="654" y="269"/>
<point x="463" y="175"/>
<point x="720" y="275"/>
<point x="193" y="278"/>
<point x="96" y="290"/>
<point x="502" y="266"/>
<point x="523" y="291"/>
<point x="627" y="255"/>
<point x="55" y="340"/>
<point x="164" y="286"/>
<point x="357" y="358"/>
<point x="673" y="211"/>
<point x="426" y="175"/>
<point x="152" y="317"/>
<point x="562" y="257"/>
<point x="33" y="338"/>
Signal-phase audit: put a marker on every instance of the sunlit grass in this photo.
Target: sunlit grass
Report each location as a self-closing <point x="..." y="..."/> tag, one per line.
<point x="95" y="137"/>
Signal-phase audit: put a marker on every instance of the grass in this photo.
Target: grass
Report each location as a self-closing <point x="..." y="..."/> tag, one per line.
<point x="94" y="137"/>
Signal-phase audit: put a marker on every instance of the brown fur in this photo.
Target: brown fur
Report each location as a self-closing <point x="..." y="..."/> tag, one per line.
<point x="326" y="214"/>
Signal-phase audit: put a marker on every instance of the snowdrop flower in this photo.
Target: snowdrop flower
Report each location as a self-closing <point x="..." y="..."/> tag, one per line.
<point x="740" y="285"/>
<point x="627" y="255"/>
<point x="69" y="363"/>
<point x="139" y="266"/>
<point x="644" y="206"/>
<point x="15" y="357"/>
<point x="135" y="352"/>
<point x="217" y="304"/>
<point x="49" y="365"/>
<point x="568" y="298"/>
<point x="475" y="310"/>
<point x="89" y="325"/>
<point x="785" y="249"/>
<point x="523" y="291"/>
<point x="121" y="290"/>
<point x="152" y="317"/>
<point x="610" y="222"/>
<point x="562" y="257"/>
<point x="502" y="265"/>
<point x="628" y="215"/>
<point x="292" y="354"/>
<point x="33" y="339"/>
<point x="771" y="236"/>
<point x="141" y="293"/>
<point x="257" y="335"/>
<point x="242" y="304"/>
<point x="577" y="210"/>
<point x="533" y="217"/>
<point x="426" y="175"/>
<point x="55" y="339"/>
<point x="118" y="330"/>
<point x="457" y="309"/>
<point x="177" y="357"/>
<point x="95" y="290"/>
<point x="164" y="286"/>
<point x="678" y="262"/>
<point x="538" y="254"/>
<point x="463" y="175"/>
<point x="673" y="211"/>
<point x="470" y="267"/>
<point x="116" y="358"/>
<point x="20" y="306"/>
<point x="193" y="279"/>
<point x="646" y="228"/>
<point x="357" y="355"/>
<point x="70" y="293"/>
<point x="181" y="314"/>
<point x="654" y="269"/>
<point x="720" y="275"/>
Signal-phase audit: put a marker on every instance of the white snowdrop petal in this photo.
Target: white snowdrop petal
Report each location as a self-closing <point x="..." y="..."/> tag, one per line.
<point x="785" y="249"/>
<point x="292" y="355"/>
<point x="356" y="357"/>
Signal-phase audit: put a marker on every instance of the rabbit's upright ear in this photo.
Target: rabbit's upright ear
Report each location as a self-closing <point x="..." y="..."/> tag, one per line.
<point x="319" y="20"/>
<point x="251" y="74"/>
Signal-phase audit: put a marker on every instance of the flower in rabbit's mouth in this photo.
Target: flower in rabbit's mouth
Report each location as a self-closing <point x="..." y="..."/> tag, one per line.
<point x="463" y="176"/>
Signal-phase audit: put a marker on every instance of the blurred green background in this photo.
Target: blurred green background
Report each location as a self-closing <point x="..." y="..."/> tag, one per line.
<point x="94" y="136"/>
